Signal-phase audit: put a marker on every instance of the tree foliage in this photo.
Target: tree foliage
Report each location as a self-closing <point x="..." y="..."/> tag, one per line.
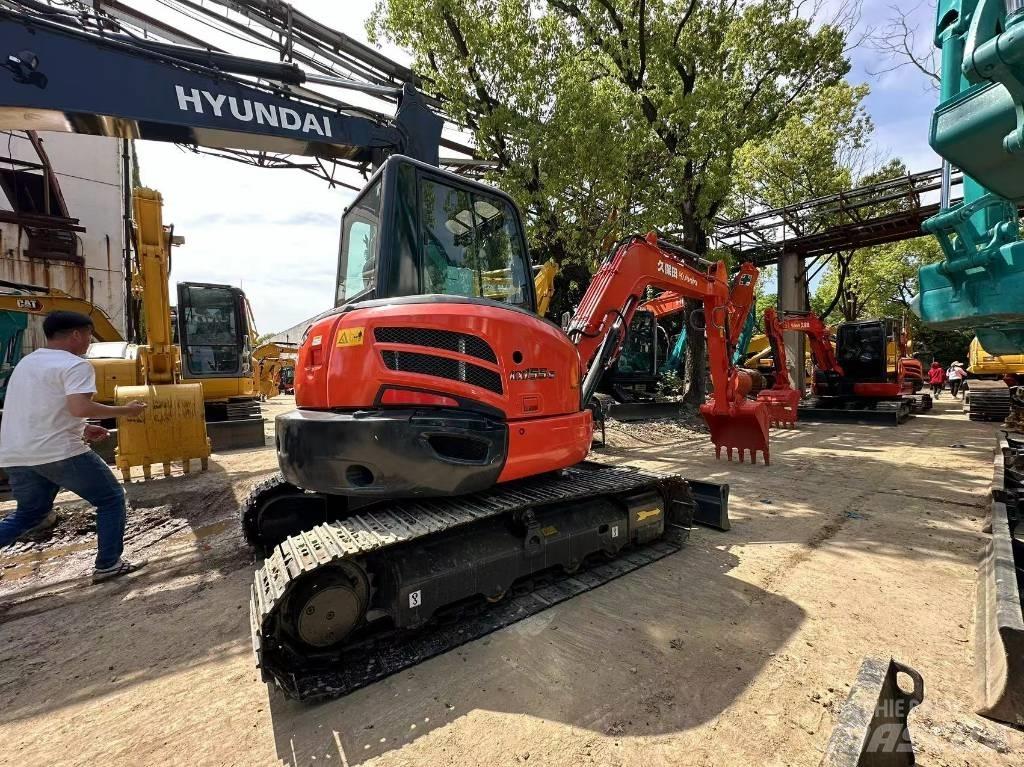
<point x="607" y="117"/>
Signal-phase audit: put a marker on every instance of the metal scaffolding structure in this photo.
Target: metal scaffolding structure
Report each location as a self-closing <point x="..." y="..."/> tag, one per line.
<point x="875" y="214"/>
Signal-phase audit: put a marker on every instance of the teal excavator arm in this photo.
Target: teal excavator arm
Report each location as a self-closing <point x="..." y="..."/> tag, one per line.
<point x="740" y="354"/>
<point x="978" y="127"/>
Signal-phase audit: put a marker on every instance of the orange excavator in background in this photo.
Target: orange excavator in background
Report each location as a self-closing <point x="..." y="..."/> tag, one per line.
<point x="648" y="355"/>
<point x="782" y="400"/>
<point x="857" y="379"/>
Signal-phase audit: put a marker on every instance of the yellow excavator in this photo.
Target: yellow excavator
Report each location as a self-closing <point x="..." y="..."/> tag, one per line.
<point x="987" y="391"/>
<point x="274" y="368"/>
<point x="173" y="425"/>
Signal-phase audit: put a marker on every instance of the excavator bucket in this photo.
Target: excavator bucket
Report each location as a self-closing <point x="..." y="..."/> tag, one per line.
<point x="999" y="614"/>
<point x="782" y="406"/>
<point x="171" y="428"/>
<point x="744" y="427"/>
<point x="872" y="729"/>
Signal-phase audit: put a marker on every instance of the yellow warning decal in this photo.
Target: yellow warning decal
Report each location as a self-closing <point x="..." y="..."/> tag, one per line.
<point x="642" y="515"/>
<point x="349" y="337"/>
<point x="549" y="531"/>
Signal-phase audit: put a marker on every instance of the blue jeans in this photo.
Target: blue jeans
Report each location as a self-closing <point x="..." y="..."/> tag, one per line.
<point x="85" y="475"/>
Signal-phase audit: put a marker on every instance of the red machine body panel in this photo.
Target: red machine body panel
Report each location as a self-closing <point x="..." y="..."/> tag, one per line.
<point x="506" y="359"/>
<point x="541" y="444"/>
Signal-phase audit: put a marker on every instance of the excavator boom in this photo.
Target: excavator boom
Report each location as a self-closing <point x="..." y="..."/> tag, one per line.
<point x="31" y="299"/>
<point x="66" y="78"/>
<point x="598" y="329"/>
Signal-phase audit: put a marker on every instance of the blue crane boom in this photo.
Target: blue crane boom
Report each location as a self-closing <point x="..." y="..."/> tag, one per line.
<point x="64" y="78"/>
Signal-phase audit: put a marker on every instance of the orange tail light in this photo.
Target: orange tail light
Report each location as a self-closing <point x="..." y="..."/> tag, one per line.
<point x="744" y="428"/>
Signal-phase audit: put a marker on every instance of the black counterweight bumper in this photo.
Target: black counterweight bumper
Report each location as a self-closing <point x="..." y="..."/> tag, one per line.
<point x="391" y="453"/>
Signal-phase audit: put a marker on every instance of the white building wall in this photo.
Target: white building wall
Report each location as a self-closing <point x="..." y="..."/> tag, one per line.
<point x="88" y="170"/>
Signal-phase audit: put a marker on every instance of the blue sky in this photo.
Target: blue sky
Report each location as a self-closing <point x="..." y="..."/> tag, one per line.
<point x="275" y="232"/>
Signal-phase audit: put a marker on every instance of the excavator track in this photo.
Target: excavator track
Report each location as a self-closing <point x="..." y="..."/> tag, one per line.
<point x="880" y="412"/>
<point x="350" y="602"/>
<point x="987" y="400"/>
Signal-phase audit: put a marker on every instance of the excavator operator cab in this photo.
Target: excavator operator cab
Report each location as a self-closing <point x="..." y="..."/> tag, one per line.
<point x="638" y="365"/>
<point x="862" y="349"/>
<point x="415" y="229"/>
<point x="213" y="331"/>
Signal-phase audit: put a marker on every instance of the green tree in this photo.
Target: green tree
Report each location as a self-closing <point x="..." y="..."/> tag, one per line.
<point x="821" y="150"/>
<point x="611" y="116"/>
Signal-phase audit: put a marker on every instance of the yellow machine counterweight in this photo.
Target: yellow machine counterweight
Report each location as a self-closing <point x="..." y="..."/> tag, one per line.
<point x="173" y="426"/>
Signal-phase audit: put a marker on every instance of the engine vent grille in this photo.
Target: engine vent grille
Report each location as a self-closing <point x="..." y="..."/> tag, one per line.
<point x="442" y="367"/>
<point x="437" y="339"/>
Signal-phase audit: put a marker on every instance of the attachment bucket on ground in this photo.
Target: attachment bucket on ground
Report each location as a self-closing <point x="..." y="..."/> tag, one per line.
<point x="743" y="428"/>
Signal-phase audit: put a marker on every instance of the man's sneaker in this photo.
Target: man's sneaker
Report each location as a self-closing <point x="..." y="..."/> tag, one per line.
<point x="123" y="567"/>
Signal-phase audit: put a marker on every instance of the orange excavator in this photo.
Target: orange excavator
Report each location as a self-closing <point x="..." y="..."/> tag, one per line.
<point x="437" y="456"/>
<point x="435" y="463"/>
<point x="782" y="400"/>
<point x="856" y="380"/>
<point x="640" y="367"/>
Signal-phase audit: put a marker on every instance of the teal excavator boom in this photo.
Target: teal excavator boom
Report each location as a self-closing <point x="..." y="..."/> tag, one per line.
<point x="978" y="127"/>
<point x="673" y="363"/>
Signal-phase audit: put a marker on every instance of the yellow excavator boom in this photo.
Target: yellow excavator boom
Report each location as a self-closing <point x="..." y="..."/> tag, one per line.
<point x="54" y="300"/>
<point x="544" y="285"/>
<point x="173" y="425"/>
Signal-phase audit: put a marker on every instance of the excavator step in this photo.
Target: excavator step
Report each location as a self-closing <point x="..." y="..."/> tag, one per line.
<point x="999" y="611"/>
<point x="435" y="564"/>
<point x="884" y="413"/>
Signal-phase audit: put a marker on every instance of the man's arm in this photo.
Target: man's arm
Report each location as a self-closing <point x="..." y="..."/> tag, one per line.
<point x="82" y="406"/>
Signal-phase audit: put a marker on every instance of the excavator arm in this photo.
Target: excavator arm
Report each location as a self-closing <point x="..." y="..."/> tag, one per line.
<point x="544" y="285"/>
<point x="741" y="299"/>
<point x="782" y="399"/>
<point x="817" y="335"/>
<point x="41" y="301"/>
<point x="598" y="329"/>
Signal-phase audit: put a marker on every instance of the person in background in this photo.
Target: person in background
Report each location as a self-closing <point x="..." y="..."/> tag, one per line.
<point x="956" y="375"/>
<point x="937" y="378"/>
<point x="44" y="441"/>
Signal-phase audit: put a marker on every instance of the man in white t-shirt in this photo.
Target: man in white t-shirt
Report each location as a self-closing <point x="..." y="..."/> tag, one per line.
<point x="44" y="441"/>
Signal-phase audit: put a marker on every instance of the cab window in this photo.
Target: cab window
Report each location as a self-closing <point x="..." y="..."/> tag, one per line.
<point x="359" y="228"/>
<point x="471" y="245"/>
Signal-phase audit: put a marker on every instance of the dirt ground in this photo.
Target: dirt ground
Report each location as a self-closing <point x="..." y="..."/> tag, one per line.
<point x="739" y="650"/>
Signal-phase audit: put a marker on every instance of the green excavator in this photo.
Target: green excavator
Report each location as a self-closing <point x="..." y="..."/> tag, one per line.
<point x="978" y="127"/>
